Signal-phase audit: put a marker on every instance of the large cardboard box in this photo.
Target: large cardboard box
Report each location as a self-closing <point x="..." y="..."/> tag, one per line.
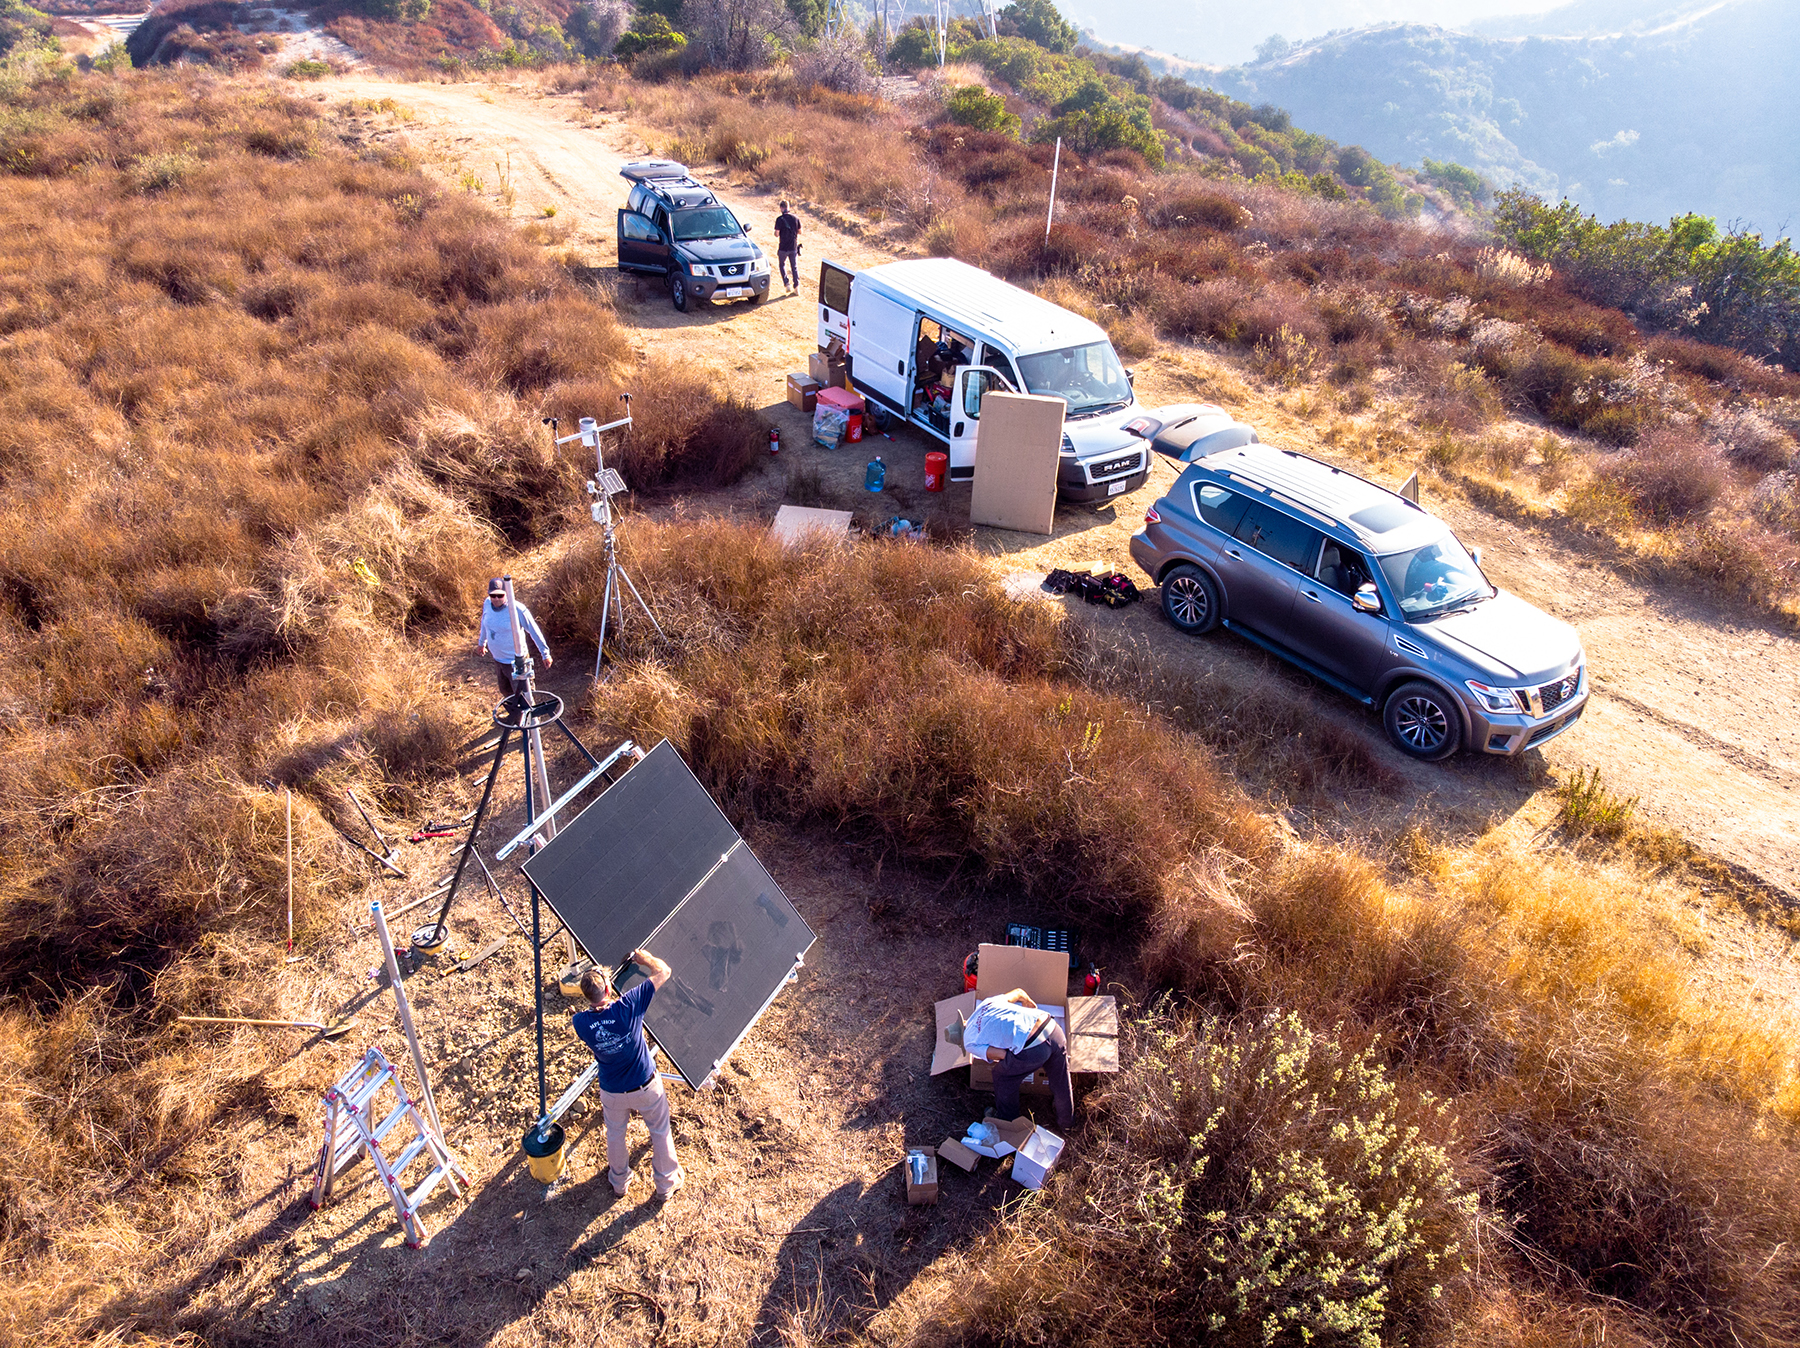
<point x="802" y="392"/>
<point x="1091" y="1023"/>
<point x="1017" y="445"/>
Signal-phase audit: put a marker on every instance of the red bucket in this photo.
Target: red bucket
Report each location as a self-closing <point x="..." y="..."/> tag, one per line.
<point x="854" y="430"/>
<point x="937" y="468"/>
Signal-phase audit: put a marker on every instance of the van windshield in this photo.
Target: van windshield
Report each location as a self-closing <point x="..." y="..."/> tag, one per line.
<point x="715" y="222"/>
<point x="1088" y="378"/>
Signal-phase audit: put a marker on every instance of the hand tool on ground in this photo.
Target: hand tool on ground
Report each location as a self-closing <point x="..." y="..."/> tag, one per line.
<point x="469" y="962"/>
<point x="331" y="1031"/>
<point x="387" y="856"/>
<point x="431" y="831"/>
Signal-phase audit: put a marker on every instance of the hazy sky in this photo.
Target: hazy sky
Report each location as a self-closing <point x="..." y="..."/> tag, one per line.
<point x="1208" y="30"/>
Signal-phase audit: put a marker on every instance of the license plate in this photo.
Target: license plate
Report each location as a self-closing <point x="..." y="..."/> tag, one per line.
<point x="735" y="292"/>
<point x="1114" y="488"/>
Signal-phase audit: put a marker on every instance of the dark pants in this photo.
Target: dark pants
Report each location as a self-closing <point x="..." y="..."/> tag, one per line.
<point x="503" y="677"/>
<point x="1051" y="1051"/>
<point x="789" y="260"/>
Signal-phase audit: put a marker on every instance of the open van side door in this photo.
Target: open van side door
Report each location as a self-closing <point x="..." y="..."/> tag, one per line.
<point x="973" y="383"/>
<point x="834" y="303"/>
<point x="880" y="346"/>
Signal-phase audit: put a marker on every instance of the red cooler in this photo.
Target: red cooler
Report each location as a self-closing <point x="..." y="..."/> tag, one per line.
<point x="937" y="468"/>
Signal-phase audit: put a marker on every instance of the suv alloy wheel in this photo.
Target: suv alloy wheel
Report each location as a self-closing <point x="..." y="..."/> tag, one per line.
<point x="1423" y="722"/>
<point x="678" y="291"/>
<point x="1189" y="599"/>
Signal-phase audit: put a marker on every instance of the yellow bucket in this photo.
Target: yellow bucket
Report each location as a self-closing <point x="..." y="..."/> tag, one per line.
<point x="431" y="938"/>
<point x="544" y="1154"/>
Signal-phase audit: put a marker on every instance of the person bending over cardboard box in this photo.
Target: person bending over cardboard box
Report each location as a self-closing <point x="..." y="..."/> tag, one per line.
<point x="1013" y="1034"/>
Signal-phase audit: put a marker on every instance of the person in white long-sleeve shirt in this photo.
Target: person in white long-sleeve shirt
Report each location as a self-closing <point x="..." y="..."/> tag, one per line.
<point x="496" y="638"/>
<point x="1016" y="1038"/>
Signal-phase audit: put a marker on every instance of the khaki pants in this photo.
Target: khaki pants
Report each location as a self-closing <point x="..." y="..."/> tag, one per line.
<point x="653" y="1103"/>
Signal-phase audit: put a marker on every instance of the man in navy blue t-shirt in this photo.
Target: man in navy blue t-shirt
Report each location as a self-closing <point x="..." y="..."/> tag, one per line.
<point x="614" y="1029"/>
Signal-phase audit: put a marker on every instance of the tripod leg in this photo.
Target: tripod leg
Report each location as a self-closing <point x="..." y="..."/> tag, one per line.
<point x="606" y="600"/>
<point x="641" y="604"/>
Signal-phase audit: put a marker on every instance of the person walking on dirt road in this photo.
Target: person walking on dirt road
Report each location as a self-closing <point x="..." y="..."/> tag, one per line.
<point x="787" y="247"/>
<point x="613" y="1027"/>
<point x="496" y="637"/>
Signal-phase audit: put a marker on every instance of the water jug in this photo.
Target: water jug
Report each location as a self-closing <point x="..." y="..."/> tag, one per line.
<point x="876" y="475"/>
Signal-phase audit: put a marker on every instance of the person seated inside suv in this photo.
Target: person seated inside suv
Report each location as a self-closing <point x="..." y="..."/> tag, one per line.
<point x="1343" y="571"/>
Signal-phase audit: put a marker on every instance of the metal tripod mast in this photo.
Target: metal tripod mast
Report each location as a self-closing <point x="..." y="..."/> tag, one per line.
<point x="602" y="487"/>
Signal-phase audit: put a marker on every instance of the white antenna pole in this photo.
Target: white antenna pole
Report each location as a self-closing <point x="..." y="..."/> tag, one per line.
<point x="290" y="867"/>
<point x="1055" y="165"/>
<point x="406" y="1020"/>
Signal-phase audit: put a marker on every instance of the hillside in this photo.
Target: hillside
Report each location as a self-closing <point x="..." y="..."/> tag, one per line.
<point x="1644" y="126"/>
<point x="273" y="357"/>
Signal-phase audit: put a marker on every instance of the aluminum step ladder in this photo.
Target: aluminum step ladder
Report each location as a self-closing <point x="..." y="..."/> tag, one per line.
<point x="351" y="1128"/>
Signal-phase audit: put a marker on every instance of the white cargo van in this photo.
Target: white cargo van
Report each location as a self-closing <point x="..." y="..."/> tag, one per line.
<point x="927" y="339"/>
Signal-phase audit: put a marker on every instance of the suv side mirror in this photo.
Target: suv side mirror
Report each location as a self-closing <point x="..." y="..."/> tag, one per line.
<point x="1366" y="599"/>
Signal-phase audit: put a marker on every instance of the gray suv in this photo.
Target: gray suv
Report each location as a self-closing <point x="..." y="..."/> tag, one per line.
<point x="1362" y="589"/>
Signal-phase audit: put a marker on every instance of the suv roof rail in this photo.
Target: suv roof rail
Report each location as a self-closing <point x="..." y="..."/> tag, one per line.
<point x="1293" y="491"/>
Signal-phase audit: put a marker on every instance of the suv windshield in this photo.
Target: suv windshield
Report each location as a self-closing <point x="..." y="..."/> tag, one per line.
<point x="1434" y="579"/>
<point x="715" y="222"/>
<point x="1088" y="378"/>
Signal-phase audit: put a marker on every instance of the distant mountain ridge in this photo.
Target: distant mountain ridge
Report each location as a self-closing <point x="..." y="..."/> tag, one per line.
<point x="1681" y="107"/>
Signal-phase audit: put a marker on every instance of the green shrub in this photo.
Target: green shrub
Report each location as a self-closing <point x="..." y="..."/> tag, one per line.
<point x="1243" y="1182"/>
<point x="307" y="69"/>
<point x="1587" y="805"/>
<point x="649" y="34"/>
<point x="1039" y="21"/>
<point x="972" y="106"/>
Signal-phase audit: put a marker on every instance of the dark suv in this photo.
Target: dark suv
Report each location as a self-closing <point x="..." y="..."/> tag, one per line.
<point x="674" y="227"/>
<point x="1366" y="591"/>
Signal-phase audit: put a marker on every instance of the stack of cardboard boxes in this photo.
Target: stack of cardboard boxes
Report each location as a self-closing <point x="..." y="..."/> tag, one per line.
<point x="1090" y="1023"/>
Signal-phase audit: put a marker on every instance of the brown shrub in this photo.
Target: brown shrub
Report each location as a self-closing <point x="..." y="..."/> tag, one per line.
<point x="1211" y="309"/>
<point x="1199" y="210"/>
<point x="1673" y="474"/>
<point x="930" y="723"/>
<point x="1751" y="438"/>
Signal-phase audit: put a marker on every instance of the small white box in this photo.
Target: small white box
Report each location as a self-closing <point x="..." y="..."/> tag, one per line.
<point x="1035" y="1157"/>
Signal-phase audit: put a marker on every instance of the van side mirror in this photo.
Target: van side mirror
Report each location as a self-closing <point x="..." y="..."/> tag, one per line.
<point x="1366" y="599"/>
<point x="1475" y="556"/>
<point x="1131" y="378"/>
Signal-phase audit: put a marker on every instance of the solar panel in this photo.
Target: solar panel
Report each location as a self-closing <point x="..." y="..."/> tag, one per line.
<point x="619" y="868"/>
<point x="732" y="945"/>
<point x="654" y="863"/>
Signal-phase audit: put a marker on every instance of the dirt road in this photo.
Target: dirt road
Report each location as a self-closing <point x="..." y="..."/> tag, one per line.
<point x="1692" y="704"/>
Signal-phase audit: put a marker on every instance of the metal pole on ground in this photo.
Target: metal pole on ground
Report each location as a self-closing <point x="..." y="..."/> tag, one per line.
<point x="290" y="867"/>
<point x="1055" y="166"/>
<point x="406" y="1020"/>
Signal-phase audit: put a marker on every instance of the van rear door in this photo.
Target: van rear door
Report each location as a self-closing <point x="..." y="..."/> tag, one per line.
<point x="834" y="303"/>
<point x="880" y="345"/>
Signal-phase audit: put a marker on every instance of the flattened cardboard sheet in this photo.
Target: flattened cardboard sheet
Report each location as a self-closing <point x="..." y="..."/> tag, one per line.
<point x="1044" y="974"/>
<point x="944" y="1054"/>
<point x="1093" y="1015"/>
<point x="1093" y="1034"/>
<point x="794" y="523"/>
<point x="1017" y="443"/>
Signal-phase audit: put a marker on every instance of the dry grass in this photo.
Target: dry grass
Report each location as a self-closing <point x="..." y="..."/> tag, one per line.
<point x="891" y="694"/>
<point x="264" y="423"/>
